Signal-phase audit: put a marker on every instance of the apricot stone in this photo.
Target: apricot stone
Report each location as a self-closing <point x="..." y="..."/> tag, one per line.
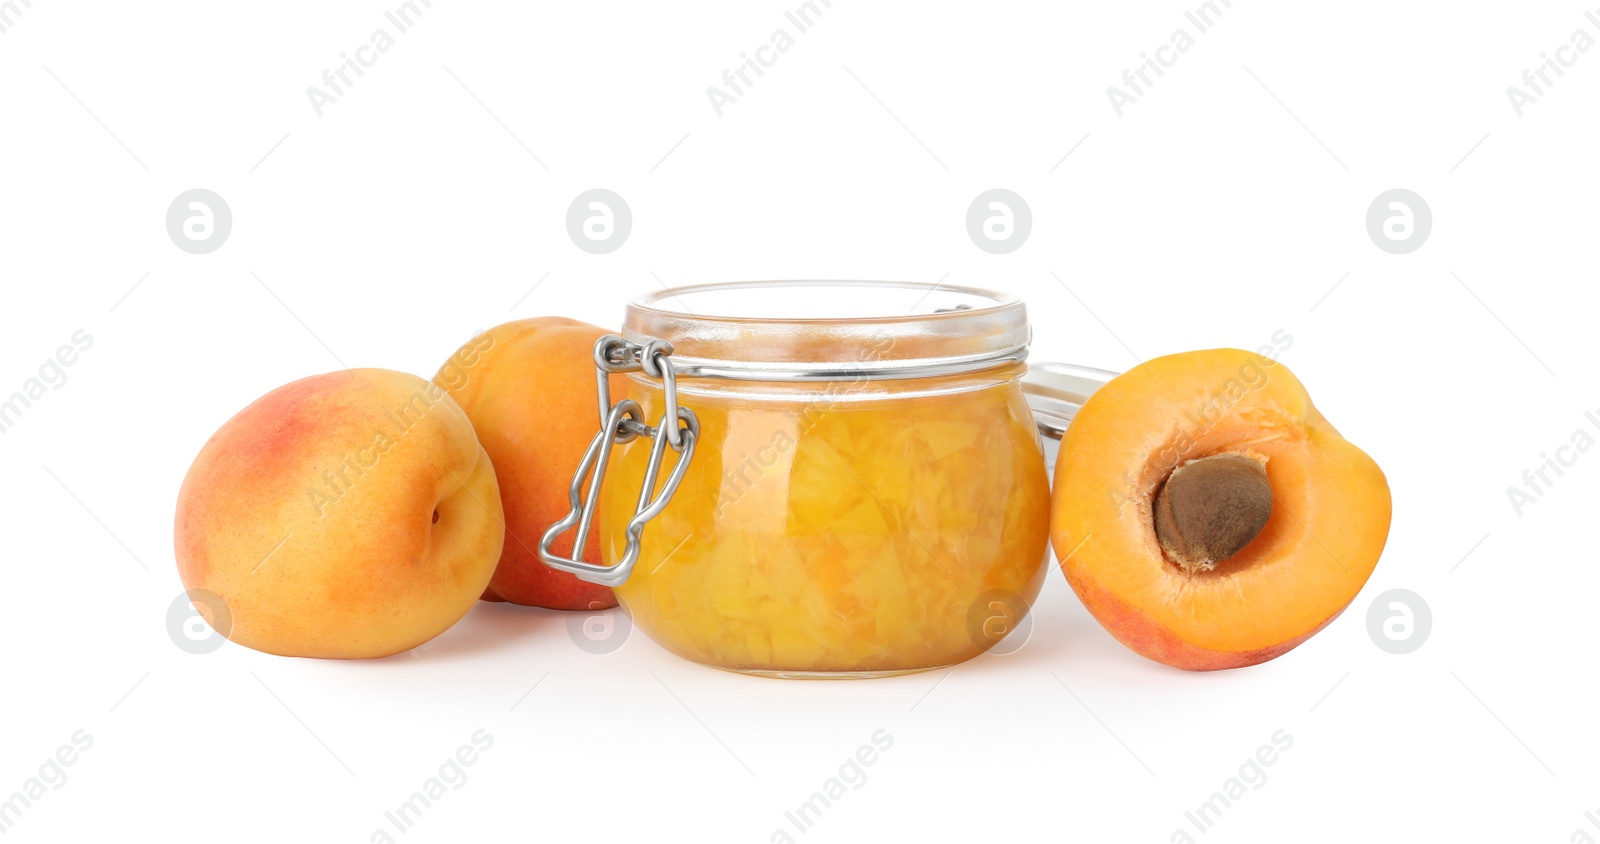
<point x="1210" y="509"/>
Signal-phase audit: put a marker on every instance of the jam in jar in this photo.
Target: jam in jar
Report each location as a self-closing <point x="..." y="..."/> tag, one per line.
<point x="818" y="479"/>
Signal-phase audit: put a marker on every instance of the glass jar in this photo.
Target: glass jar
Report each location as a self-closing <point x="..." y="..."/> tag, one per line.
<point x="851" y="485"/>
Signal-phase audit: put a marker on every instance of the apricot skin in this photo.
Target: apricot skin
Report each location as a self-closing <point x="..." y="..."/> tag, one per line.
<point x="384" y="558"/>
<point x="1148" y="639"/>
<point x="1329" y="523"/>
<point x="529" y="388"/>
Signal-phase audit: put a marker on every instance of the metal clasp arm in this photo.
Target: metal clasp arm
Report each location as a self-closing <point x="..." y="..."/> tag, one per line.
<point x="621" y="423"/>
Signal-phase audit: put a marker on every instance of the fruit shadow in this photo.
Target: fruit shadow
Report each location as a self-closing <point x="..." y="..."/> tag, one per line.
<point x="488" y="627"/>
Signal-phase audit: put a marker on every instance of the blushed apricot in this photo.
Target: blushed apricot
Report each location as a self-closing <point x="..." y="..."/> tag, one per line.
<point x="344" y="516"/>
<point x="529" y="388"/>
<point x="1208" y="515"/>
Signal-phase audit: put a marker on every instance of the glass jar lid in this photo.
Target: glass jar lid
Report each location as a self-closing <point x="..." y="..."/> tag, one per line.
<point x="830" y="330"/>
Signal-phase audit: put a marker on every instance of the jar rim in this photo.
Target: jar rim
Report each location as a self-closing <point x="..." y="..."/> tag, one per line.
<point x="648" y="301"/>
<point x="803" y="330"/>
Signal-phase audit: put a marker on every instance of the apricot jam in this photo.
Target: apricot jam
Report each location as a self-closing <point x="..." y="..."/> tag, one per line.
<point x="813" y="535"/>
<point x="866" y="495"/>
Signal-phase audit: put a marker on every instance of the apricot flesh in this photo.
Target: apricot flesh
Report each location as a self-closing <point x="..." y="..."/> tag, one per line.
<point x="1329" y="515"/>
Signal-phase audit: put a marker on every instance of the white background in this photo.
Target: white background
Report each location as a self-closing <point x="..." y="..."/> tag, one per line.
<point x="1222" y="206"/>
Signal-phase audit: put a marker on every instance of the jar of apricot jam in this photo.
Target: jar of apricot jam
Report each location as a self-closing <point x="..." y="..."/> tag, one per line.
<point x="817" y="479"/>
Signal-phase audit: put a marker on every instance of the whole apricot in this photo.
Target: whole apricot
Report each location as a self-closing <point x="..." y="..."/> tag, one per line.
<point x="351" y="514"/>
<point x="529" y="388"/>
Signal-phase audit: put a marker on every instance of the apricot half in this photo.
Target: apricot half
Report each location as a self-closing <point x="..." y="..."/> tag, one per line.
<point x="1208" y="516"/>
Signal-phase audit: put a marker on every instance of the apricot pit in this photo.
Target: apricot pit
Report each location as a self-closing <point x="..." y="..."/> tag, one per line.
<point x="1211" y="508"/>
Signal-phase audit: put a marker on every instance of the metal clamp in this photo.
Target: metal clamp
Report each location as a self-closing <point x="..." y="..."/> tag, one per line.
<point x="622" y="423"/>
